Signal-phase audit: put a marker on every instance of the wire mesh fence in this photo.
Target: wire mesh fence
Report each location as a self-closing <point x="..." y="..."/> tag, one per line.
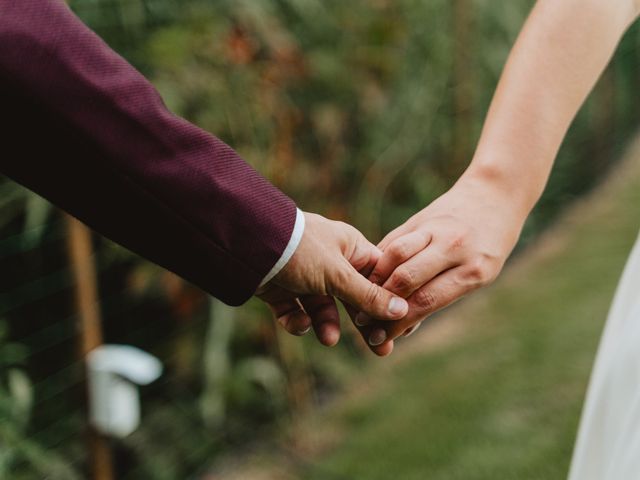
<point x="228" y="374"/>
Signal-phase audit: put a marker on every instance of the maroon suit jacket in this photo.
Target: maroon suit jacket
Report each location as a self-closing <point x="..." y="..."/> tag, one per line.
<point x="81" y="127"/>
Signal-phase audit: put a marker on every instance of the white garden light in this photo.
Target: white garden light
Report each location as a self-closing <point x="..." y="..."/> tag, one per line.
<point x="114" y="371"/>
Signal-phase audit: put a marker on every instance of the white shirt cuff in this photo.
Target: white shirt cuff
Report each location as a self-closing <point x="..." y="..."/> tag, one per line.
<point x="294" y="241"/>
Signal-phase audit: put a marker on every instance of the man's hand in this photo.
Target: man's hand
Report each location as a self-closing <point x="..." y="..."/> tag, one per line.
<point x="326" y="264"/>
<point x="455" y="245"/>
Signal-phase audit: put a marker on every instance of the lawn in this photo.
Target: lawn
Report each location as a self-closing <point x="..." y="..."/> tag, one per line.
<point x="500" y="398"/>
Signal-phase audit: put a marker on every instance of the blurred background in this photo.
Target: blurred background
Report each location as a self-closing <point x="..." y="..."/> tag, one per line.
<point x="364" y="111"/>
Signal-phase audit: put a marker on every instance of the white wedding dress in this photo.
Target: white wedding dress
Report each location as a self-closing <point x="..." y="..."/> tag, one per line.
<point x="608" y="444"/>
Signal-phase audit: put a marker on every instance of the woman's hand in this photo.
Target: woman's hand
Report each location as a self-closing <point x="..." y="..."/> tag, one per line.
<point x="455" y="245"/>
<point x="461" y="241"/>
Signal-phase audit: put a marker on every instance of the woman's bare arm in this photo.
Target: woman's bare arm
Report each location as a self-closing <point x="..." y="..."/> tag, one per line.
<point x="560" y="54"/>
<point x="461" y="241"/>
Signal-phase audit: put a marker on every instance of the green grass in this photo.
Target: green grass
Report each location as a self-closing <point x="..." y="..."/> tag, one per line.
<point x="502" y="399"/>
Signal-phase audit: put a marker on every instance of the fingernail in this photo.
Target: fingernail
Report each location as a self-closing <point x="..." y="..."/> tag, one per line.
<point x="303" y="332"/>
<point x="377" y="337"/>
<point x="412" y="330"/>
<point x="397" y="306"/>
<point x="362" y="320"/>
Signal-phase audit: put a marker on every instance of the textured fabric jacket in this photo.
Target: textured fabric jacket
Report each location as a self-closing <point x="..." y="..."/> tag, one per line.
<point x="81" y="127"/>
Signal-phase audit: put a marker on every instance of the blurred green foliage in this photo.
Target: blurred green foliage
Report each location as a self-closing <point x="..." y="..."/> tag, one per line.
<point x="364" y="111"/>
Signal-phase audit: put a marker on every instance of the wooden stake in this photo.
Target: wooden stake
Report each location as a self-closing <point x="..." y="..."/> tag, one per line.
<point x="89" y="328"/>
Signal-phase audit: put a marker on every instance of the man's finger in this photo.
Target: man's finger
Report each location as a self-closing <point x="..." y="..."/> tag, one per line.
<point x="325" y="318"/>
<point x="345" y="282"/>
<point x="365" y="255"/>
<point x="291" y="316"/>
<point x="384" y="349"/>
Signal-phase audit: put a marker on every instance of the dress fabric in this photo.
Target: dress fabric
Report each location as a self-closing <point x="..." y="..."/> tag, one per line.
<point x="608" y="444"/>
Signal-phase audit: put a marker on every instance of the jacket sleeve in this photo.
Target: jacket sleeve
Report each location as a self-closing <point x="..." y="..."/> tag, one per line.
<point x="93" y="136"/>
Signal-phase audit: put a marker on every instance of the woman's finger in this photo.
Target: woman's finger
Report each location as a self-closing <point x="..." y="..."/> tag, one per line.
<point x="325" y="318"/>
<point x="392" y="235"/>
<point x="381" y="349"/>
<point x="397" y="252"/>
<point x="419" y="270"/>
<point x="440" y="292"/>
<point x="365" y="331"/>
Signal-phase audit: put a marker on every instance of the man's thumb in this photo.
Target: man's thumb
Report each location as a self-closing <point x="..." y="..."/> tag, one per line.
<point x="353" y="288"/>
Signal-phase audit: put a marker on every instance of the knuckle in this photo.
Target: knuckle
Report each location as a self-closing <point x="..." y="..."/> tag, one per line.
<point x="402" y="279"/>
<point x="286" y="323"/>
<point x="476" y="273"/>
<point x="480" y="272"/>
<point x="456" y="242"/>
<point x="425" y="300"/>
<point x="375" y="277"/>
<point x="399" y="250"/>
<point x="372" y="295"/>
